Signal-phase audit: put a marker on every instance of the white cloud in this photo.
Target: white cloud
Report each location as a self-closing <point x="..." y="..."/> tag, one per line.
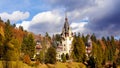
<point x="25" y="24"/>
<point x="46" y="17"/>
<point x="15" y="16"/>
<point x="49" y="21"/>
<point x="78" y="27"/>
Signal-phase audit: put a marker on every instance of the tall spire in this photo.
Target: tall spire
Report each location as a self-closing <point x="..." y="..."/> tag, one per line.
<point x="66" y="16"/>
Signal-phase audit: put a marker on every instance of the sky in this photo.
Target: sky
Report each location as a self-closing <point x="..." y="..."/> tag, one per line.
<point x="101" y="17"/>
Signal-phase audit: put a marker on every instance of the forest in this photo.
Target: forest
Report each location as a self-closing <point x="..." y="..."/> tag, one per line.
<point x="17" y="44"/>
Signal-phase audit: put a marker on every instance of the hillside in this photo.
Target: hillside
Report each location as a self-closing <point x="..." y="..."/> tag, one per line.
<point x="17" y="44"/>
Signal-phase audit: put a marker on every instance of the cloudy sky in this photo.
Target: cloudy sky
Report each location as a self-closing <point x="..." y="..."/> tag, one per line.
<point x="101" y="17"/>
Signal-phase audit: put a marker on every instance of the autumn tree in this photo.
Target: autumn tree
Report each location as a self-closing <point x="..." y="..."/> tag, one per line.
<point x="11" y="46"/>
<point x="2" y="37"/>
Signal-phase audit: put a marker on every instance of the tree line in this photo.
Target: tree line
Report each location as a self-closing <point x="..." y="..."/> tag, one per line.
<point x="18" y="44"/>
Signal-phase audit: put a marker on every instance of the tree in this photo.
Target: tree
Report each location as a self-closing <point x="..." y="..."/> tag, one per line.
<point x="97" y="54"/>
<point x="47" y="35"/>
<point x="41" y="56"/>
<point x="78" y="53"/>
<point x="63" y="57"/>
<point x="93" y="37"/>
<point x="8" y="46"/>
<point x="2" y="37"/>
<point x="57" y="37"/>
<point x="28" y="45"/>
<point x="50" y="56"/>
<point x="21" y="28"/>
<point x="14" y="25"/>
<point x="11" y="46"/>
<point x="79" y="34"/>
<point x="91" y="62"/>
<point x="118" y="59"/>
<point x="67" y="56"/>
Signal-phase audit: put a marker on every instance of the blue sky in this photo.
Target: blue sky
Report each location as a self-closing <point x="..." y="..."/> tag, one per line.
<point x="101" y="17"/>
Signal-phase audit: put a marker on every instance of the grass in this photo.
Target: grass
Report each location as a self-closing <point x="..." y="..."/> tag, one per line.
<point x="69" y="65"/>
<point x="14" y="64"/>
<point x="20" y="64"/>
<point x="60" y="65"/>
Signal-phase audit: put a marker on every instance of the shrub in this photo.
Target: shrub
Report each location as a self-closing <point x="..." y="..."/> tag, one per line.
<point x="26" y="59"/>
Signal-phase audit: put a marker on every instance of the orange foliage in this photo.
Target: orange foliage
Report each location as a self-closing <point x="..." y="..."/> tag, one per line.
<point x="26" y="59"/>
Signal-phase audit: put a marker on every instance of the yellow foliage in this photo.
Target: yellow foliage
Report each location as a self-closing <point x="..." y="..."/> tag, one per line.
<point x="1" y="31"/>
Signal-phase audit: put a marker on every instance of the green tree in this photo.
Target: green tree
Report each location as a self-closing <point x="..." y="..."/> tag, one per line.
<point x="78" y="53"/>
<point x="63" y="57"/>
<point x="97" y="54"/>
<point x="57" y="37"/>
<point x="14" y="25"/>
<point x="21" y="28"/>
<point x="50" y="56"/>
<point x="41" y="56"/>
<point x="67" y="56"/>
<point x="93" y="37"/>
<point x="118" y="59"/>
<point x="28" y="45"/>
<point x="47" y="35"/>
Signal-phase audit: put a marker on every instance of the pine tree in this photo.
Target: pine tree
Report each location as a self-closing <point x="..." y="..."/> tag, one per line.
<point x="93" y="37"/>
<point x="47" y="36"/>
<point x="50" y="56"/>
<point x="78" y="53"/>
<point x="63" y="57"/>
<point x="67" y="56"/>
<point x="28" y="45"/>
<point x="97" y="54"/>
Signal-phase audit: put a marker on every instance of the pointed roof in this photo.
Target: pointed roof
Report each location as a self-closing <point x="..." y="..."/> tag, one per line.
<point x="66" y="25"/>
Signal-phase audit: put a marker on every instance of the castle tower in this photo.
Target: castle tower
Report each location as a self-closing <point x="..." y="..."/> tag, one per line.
<point x="67" y="37"/>
<point x="66" y="40"/>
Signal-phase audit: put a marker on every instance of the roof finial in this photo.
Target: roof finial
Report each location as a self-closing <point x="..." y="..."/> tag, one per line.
<point x="66" y="16"/>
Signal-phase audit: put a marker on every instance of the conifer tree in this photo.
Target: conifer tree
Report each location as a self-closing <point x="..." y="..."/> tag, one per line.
<point x="78" y="53"/>
<point x="50" y="56"/>
<point x="28" y="45"/>
<point x="63" y="57"/>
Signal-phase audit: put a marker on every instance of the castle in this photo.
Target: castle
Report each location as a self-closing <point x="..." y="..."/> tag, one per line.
<point x="64" y="46"/>
<point x="66" y="40"/>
